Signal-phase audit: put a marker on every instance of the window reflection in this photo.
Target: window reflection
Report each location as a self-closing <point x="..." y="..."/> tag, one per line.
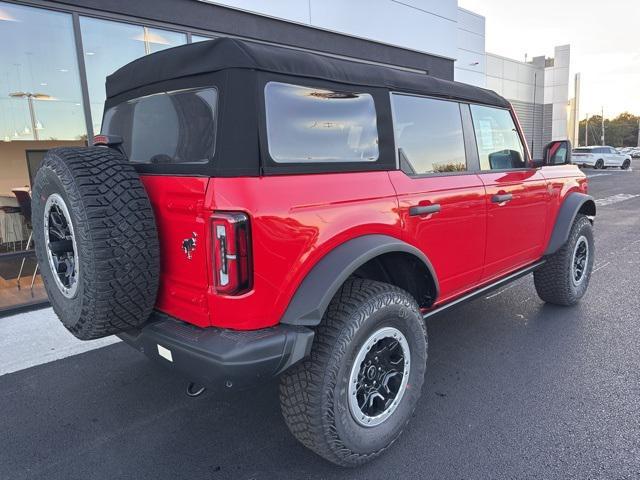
<point x="110" y="45"/>
<point x="40" y="97"/>
<point x="499" y="145"/>
<point x="40" y="108"/>
<point x="317" y="125"/>
<point x="199" y="38"/>
<point x="428" y="135"/>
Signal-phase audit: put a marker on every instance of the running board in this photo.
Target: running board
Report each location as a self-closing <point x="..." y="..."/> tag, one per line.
<point x="482" y="290"/>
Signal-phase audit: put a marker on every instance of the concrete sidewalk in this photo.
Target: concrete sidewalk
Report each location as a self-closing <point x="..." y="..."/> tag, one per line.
<point x="33" y="338"/>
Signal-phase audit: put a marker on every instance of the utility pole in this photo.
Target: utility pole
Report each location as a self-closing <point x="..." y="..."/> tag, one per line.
<point x="586" y="131"/>
<point x="602" y="117"/>
<point x="533" y="127"/>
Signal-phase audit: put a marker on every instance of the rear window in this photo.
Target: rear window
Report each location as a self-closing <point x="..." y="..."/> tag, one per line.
<point x="315" y="125"/>
<point x="166" y="128"/>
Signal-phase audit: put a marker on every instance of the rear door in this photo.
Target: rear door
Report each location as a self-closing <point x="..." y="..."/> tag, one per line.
<point x="441" y="199"/>
<point x="516" y="194"/>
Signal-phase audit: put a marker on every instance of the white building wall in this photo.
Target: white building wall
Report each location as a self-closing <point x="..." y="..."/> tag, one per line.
<point x="424" y="25"/>
<point x="556" y="91"/>
<point x="440" y="27"/>
<point x="470" y="65"/>
<point x="523" y="85"/>
<point x="514" y="80"/>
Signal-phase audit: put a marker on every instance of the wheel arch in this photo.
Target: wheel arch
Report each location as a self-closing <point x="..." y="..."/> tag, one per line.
<point x="574" y="204"/>
<point x="368" y="256"/>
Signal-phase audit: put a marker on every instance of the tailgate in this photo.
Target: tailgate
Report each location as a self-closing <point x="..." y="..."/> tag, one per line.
<point x="182" y="222"/>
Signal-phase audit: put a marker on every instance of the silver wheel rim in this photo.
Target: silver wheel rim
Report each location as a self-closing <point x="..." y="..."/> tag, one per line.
<point x="379" y="376"/>
<point x="580" y="261"/>
<point x="60" y="244"/>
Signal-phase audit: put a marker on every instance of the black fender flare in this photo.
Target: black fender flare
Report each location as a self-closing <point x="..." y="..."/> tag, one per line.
<point x="308" y="304"/>
<point x="567" y="214"/>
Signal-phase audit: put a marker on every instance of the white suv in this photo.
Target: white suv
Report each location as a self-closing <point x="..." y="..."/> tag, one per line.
<point x="600" y="157"/>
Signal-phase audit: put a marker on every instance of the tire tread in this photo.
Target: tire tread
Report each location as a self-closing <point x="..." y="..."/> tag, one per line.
<point x="305" y="400"/>
<point x="116" y="224"/>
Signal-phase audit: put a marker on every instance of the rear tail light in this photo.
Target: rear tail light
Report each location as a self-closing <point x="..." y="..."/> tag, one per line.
<point x="231" y="252"/>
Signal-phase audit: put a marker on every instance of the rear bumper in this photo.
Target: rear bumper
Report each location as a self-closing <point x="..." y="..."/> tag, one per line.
<point x="219" y="357"/>
<point x="583" y="161"/>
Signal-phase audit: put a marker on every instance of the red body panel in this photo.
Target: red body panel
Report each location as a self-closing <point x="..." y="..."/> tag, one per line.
<point x="515" y="229"/>
<point x="454" y="238"/>
<point x="562" y="180"/>
<point x="297" y="219"/>
<point x="178" y="203"/>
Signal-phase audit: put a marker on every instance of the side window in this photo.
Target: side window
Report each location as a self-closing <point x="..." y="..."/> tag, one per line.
<point x="428" y="135"/>
<point x="315" y="125"/>
<point x="499" y="146"/>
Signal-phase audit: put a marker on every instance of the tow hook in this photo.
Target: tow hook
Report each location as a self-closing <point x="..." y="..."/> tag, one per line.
<point x="194" y="390"/>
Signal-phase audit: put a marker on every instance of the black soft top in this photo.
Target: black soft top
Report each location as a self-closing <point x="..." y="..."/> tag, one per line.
<point x="225" y="53"/>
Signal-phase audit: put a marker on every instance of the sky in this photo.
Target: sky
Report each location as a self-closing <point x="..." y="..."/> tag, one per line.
<point x="604" y="38"/>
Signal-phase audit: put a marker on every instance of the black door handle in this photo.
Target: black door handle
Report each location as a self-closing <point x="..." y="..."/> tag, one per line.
<point x="504" y="197"/>
<point x="424" y="209"/>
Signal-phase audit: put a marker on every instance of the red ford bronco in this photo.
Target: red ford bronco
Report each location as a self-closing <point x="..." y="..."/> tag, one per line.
<point x="251" y="211"/>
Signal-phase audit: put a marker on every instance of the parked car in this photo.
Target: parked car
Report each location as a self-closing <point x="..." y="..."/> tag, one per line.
<point x="251" y="211"/>
<point x="635" y="152"/>
<point x="600" y="157"/>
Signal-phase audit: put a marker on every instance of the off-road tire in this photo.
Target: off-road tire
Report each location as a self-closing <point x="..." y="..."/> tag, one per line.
<point x="625" y="165"/>
<point x="313" y="394"/>
<point x="116" y="238"/>
<point x="553" y="280"/>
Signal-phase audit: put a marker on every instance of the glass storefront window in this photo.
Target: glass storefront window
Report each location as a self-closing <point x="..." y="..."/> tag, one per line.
<point x="40" y="108"/>
<point x="39" y="73"/>
<point x="109" y="45"/>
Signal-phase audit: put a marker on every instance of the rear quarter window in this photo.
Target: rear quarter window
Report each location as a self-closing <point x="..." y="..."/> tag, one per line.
<point x="317" y="125"/>
<point x="176" y="127"/>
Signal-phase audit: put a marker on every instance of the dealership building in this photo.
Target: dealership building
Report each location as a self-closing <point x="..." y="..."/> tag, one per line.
<point x="56" y="55"/>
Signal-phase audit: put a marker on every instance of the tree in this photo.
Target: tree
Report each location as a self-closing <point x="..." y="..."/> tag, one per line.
<point x="622" y="131"/>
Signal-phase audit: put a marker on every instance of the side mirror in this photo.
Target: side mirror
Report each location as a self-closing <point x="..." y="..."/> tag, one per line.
<point x="557" y="153"/>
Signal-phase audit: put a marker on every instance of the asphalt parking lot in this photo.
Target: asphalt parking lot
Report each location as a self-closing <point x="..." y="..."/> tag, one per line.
<point x="515" y="389"/>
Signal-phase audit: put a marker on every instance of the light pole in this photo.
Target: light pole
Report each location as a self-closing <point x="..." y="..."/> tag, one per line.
<point x="602" y="136"/>
<point x="35" y="125"/>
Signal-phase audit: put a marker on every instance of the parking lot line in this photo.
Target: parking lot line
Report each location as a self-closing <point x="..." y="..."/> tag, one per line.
<point x="620" y="197"/>
<point x="600" y="267"/>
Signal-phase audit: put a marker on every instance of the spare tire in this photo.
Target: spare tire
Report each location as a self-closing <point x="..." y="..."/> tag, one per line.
<point x="96" y="241"/>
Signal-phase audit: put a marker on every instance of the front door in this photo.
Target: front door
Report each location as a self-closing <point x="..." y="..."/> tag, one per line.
<point x="441" y="201"/>
<point x="517" y="195"/>
<point x="613" y="157"/>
